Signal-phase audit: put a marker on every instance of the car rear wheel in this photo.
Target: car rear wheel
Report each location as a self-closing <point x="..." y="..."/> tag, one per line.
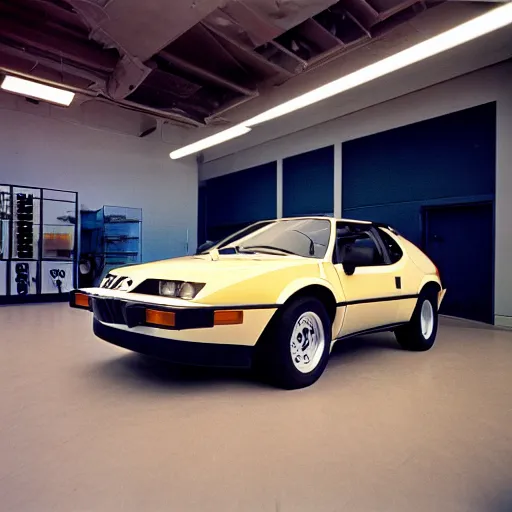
<point x="294" y="350"/>
<point x="420" y="333"/>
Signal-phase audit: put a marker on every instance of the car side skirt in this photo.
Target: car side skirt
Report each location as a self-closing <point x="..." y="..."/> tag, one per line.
<point x="377" y="299"/>
<point x="382" y="328"/>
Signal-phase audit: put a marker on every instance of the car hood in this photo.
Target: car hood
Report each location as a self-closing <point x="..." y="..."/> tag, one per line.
<point x="203" y="269"/>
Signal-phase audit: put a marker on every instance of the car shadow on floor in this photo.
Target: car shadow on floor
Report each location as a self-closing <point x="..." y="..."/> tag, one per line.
<point x="147" y="373"/>
<point x="359" y="346"/>
<point x="501" y="501"/>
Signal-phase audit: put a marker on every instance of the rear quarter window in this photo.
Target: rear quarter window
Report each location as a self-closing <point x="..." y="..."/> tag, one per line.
<point x="394" y="251"/>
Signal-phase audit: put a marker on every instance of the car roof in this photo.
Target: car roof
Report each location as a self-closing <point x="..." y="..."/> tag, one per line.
<point x="325" y="217"/>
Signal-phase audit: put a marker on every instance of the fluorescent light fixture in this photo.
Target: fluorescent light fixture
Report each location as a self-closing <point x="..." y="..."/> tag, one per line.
<point x="213" y="140"/>
<point x="489" y="22"/>
<point x="37" y="91"/>
<point x="486" y="23"/>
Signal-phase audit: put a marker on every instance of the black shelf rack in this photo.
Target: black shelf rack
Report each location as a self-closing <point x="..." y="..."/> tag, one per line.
<point x="24" y="211"/>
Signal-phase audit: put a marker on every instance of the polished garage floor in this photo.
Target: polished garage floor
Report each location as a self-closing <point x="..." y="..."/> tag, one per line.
<point x="85" y="426"/>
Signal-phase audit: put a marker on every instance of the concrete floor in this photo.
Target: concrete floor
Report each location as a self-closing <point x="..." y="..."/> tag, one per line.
<point x="85" y="426"/>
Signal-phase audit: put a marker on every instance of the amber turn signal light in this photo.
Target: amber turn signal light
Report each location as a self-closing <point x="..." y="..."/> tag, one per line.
<point x="163" y="318"/>
<point x="228" y="317"/>
<point x="82" y="300"/>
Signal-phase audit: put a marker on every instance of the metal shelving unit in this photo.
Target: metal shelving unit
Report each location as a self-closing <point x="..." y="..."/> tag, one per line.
<point x="38" y="244"/>
<point x="111" y="237"/>
<point x="123" y="232"/>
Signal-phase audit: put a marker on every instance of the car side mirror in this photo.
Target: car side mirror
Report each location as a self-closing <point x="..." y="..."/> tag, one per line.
<point x="204" y="247"/>
<point x="354" y="257"/>
<point x="348" y="268"/>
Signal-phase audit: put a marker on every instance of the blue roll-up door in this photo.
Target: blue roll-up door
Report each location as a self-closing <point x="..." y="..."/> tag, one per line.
<point x="238" y="199"/>
<point x="389" y="176"/>
<point x="308" y="183"/>
<point x="395" y="176"/>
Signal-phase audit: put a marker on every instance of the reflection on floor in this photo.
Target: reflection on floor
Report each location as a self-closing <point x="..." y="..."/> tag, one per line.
<point x="89" y="427"/>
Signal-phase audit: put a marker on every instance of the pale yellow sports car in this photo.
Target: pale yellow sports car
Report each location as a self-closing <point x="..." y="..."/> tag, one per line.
<point x="274" y="296"/>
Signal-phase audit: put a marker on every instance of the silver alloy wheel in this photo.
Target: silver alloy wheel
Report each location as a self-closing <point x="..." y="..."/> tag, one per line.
<point x="427" y="319"/>
<point x="307" y="342"/>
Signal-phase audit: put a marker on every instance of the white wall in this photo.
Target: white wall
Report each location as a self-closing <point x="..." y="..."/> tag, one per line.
<point x="490" y="84"/>
<point x="105" y="168"/>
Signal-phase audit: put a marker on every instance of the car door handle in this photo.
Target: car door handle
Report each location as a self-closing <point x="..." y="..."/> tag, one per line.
<point x="398" y="283"/>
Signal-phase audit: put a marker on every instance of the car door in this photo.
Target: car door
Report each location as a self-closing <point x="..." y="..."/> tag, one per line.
<point x="373" y="291"/>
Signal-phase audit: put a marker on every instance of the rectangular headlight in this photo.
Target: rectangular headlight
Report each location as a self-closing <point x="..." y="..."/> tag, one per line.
<point x="167" y="288"/>
<point x="180" y="289"/>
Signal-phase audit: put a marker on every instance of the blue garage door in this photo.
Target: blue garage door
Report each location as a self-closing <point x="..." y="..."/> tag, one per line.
<point x="308" y="181"/>
<point x="459" y="239"/>
<point x="235" y="200"/>
<point x="393" y="176"/>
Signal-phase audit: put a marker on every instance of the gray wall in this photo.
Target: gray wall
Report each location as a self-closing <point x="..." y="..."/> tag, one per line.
<point x="105" y="168"/>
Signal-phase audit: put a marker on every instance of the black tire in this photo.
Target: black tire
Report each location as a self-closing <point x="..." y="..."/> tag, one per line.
<point x="410" y="336"/>
<point x="273" y="360"/>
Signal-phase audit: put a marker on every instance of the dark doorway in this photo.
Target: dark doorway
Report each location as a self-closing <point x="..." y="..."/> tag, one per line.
<point x="460" y="241"/>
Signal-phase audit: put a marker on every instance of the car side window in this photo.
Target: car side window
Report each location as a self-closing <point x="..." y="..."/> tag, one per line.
<point x="356" y="236"/>
<point x="394" y="251"/>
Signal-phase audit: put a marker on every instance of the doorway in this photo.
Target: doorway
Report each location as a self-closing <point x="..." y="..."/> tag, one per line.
<point x="460" y="241"/>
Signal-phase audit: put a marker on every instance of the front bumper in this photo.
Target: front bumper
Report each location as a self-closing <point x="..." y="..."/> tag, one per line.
<point x="177" y="351"/>
<point x="195" y="337"/>
<point x="133" y="314"/>
<point x="112" y="310"/>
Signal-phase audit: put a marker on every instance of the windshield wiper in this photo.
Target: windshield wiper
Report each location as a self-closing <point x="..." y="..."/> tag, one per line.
<point x="265" y="249"/>
<point x="311" y="243"/>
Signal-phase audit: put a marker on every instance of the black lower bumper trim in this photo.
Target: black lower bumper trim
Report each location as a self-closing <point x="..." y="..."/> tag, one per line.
<point x="181" y="352"/>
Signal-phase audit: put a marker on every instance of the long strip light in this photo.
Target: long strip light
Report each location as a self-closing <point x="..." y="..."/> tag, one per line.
<point x="489" y="22"/>
<point x="213" y="140"/>
<point x="37" y="91"/>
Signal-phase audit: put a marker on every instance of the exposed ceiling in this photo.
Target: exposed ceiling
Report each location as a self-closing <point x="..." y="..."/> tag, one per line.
<point x="189" y="61"/>
<point x="485" y="51"/>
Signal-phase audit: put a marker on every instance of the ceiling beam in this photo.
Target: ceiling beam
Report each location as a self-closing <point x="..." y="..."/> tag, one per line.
<point x="69" y="81"/>
<point x="402" y="6"/>
<point x="361" y="10"/>
<point x="253" y="59"/>
<point x="127" y="76"/>
<point x="205" y="75"/>
<point x="142" y="28"/>
<point x="25" y="66"/>
<point x="47" y="13"/>
<point x="73" y="49"/>
<point x="21" y="60"/>
<point x="259" y="28"/>
<point x="319" y="33"/>
<point x="301" y="63"/>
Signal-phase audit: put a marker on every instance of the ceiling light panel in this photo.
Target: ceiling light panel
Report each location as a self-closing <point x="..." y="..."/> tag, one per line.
<point x="37" y="91"/>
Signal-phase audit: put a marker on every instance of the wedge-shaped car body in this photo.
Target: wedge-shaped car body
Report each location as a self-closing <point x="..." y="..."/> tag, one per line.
<point x="274" y="296"/>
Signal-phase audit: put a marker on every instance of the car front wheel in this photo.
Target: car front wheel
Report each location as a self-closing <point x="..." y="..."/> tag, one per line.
<point x="295" y="349"/>
<point x="420" y="333"/>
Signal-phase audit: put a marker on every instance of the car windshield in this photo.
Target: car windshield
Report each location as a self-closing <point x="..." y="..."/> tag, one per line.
<point x="300" y="237"/>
